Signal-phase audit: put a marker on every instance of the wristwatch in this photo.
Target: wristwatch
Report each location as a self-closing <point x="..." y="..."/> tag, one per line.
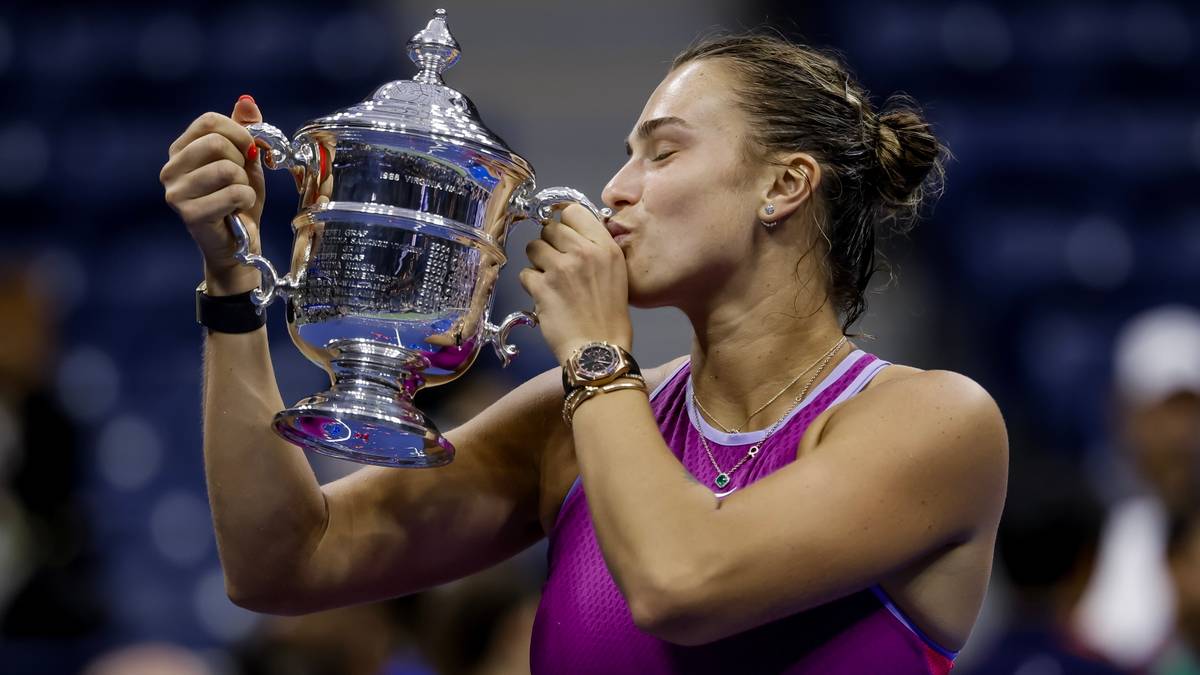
<point x="598" y="363"/>
<point x="594" y="369"/>
<point x="228" y="313"/>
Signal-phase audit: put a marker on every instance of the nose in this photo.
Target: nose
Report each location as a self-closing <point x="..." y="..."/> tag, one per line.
<point x="623" y="189"/>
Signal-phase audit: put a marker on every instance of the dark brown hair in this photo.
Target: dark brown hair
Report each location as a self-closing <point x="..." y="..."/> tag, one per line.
<point x="878" y="167"/>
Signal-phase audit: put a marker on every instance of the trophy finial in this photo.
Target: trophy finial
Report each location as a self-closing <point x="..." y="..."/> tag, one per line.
<point x="433" y="50"/>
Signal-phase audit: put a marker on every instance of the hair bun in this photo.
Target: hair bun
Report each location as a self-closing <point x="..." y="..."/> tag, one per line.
<point x="909" y="158"/>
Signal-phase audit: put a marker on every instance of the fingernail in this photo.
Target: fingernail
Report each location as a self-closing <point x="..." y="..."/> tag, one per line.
<point x="252" y="153"/>
<point x="246" y="97"/>
<point x="324" y="166"/>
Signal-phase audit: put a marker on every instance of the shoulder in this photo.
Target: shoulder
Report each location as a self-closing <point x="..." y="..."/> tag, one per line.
<point x="657" y="375"/>
<point x="923" y="395"/>
<point x="941" y="423"/>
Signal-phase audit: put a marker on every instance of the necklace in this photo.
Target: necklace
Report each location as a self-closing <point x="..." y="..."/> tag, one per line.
<point x="737" y="429"/>
<point x="723" y="477"/>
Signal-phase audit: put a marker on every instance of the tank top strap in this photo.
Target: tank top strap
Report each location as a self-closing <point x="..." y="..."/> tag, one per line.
<point x="669" y="386"/>
<point x="859" y="368"/>
<point x="823" y="394"/>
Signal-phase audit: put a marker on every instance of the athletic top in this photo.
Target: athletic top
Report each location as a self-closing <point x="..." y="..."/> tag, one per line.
<point x="583" y="623"/>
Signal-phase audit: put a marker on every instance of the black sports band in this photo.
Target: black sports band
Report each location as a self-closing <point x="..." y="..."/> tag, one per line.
<point x="228" y="313"/>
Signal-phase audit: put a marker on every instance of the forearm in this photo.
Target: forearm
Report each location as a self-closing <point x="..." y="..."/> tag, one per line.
<point x="267" y="506"/>
<point x="646" y="508"/>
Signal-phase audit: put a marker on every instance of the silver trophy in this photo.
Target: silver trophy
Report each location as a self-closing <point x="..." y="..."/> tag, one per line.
<point x="406" y="202"/>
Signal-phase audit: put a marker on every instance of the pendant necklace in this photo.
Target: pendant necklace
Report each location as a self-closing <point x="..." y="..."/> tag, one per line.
<point x="723" y="477"/>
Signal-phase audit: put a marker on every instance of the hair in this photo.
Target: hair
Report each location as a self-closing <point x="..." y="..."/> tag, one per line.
<point x="879" y="168"/>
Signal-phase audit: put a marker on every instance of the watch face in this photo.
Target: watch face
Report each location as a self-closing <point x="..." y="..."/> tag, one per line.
<point x="596" y="361"/>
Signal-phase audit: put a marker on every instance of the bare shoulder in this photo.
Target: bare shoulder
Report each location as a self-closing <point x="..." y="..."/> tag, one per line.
<point x="939" y="420"/>
<point x="924" y="395"/>
<point x="659" y="374"/>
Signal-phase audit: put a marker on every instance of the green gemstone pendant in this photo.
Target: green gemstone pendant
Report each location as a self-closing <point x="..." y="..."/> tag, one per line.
<point x="722" y="480"/>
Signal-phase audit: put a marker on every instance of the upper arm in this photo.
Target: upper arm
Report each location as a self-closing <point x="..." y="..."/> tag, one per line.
<point x="395" y="531"/>
<point x="907" y="469"/>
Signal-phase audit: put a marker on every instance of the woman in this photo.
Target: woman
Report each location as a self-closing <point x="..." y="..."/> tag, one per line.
<point x="778" y="501"/>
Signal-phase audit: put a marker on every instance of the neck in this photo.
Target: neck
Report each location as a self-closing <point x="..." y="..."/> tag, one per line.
<point x="745" y="352"/>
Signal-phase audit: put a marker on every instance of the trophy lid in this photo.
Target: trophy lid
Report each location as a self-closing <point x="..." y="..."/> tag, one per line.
<point x="424" y="105"/>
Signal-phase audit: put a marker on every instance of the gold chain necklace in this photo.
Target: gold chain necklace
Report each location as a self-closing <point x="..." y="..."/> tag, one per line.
<point x="723" y="477"/>
<point x="738" y="429"/>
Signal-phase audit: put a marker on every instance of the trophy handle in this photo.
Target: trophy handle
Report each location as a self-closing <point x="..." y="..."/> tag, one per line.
<point x="272" y="285"/>
<point x="281" y="154"/>
<point x="498" y="335"/>
<point x="541" y="206"/>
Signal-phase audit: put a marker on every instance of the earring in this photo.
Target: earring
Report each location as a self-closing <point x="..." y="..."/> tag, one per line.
<point x="769" y="210"/>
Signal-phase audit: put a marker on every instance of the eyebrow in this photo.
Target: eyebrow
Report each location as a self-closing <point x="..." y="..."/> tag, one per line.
<point x="645" y="129"/>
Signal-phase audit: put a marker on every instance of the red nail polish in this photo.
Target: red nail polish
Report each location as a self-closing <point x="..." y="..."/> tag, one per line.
<point x="246" y="97"/>
<point x="252" y="153"/>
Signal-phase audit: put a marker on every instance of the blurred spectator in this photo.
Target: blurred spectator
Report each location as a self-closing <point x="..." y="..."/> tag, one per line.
<point x="48" y="576"/>
<point x="148" y="659"/>
<point x="1128" y="612"/>
<point x="481" y="625"/>
<point x="370" y="639"/>
<point x="1183" y="556"/>
<point x="1047" y="545"/>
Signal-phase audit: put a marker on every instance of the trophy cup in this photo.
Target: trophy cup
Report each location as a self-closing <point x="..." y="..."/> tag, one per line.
<point x="406" y="201"/>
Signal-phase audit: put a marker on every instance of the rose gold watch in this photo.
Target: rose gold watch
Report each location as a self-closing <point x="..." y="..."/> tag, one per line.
<point x="598" y="363"/>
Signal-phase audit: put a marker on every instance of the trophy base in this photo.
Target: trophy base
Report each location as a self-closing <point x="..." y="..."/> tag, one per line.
<point x="336" y="423"/>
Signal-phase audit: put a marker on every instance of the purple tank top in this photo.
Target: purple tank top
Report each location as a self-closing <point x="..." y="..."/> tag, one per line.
<point x="583" y="624"/>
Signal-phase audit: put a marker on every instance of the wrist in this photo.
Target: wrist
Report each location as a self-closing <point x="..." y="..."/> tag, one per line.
<point x="235" y="313"/>
<point x="230" y="281"/>
<point x="577" y="397"/>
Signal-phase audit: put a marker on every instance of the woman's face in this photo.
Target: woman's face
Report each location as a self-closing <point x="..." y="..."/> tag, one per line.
<point x="685" y="202"/>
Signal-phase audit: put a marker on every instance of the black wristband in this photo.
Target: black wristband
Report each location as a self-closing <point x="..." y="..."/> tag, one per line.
<point x="228" y="313"/>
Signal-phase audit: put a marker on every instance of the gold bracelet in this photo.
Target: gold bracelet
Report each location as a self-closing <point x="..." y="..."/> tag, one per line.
<point x="579" y="391"/>
<point x="581" y="394"/>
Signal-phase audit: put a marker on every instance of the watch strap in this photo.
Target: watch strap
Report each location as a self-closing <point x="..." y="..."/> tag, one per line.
<point x="228" y="313"/>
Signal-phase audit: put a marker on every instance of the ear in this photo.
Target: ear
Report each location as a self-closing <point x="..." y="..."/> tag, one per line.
<point x="796" y="178"/>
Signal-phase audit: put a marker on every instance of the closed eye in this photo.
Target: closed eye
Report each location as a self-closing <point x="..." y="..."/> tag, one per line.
<point x="663" y="156"/>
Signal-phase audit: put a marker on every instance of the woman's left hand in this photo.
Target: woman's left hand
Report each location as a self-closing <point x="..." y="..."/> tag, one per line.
<point x="578" y="283"/>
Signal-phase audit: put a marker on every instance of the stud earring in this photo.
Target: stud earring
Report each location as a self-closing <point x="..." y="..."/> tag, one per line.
<point x="769" y="210"/>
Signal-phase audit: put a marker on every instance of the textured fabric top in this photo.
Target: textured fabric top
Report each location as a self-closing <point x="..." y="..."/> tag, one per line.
<point x="583" y="623"/>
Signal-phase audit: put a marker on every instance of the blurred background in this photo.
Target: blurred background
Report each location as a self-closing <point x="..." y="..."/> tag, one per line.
<point x="1061" y="270"/>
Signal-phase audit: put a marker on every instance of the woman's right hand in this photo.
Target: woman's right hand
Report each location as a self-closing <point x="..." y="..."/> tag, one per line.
<point x="212" y="172"/>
